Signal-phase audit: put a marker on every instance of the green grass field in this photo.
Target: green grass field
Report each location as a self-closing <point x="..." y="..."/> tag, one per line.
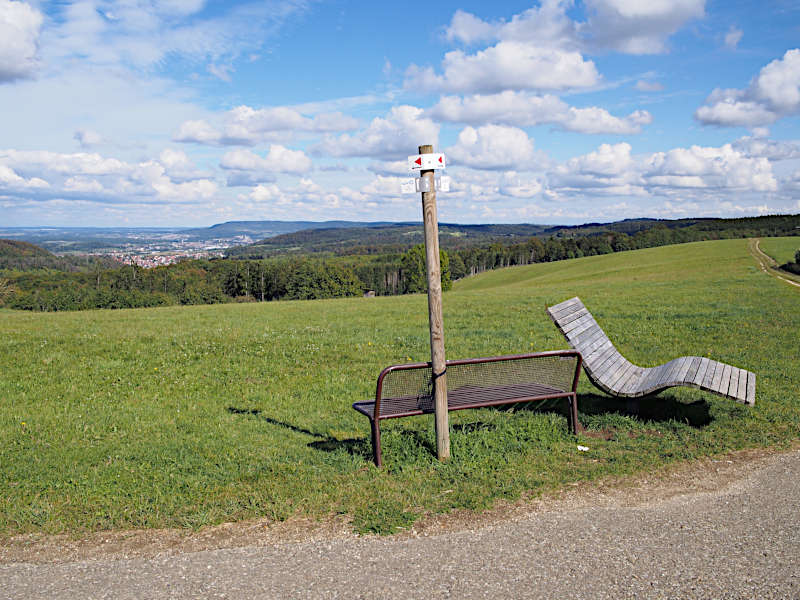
<point x="184" y="417"/>
<point x="781" y="249"/>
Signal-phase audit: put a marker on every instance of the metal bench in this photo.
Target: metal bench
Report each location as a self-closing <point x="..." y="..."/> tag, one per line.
<point x="614" y="374"/>
<point x="407" y="390"/>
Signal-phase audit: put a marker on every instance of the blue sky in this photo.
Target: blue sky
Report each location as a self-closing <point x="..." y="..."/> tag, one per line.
<point x="193" y="112"/>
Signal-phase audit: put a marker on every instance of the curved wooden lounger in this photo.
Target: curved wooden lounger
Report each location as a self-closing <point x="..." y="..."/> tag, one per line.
<point x="615" y="375"/>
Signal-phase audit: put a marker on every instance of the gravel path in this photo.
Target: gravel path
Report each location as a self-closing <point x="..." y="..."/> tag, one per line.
<point x="741" y="540"/>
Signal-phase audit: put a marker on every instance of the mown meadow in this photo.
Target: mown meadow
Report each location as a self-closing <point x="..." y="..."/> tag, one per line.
<point x="781" y="249"/>
<point x="191" y="416"/>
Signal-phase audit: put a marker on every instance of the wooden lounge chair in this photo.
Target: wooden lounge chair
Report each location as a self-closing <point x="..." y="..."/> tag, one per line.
<point x="614" y="374"/>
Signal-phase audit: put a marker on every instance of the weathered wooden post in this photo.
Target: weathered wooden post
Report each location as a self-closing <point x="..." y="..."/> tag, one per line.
<point x="435" y="319"/>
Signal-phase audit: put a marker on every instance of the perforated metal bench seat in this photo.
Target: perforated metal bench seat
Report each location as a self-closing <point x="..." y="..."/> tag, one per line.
<point x="615" y="375"/>
<point x="407" y="390"/>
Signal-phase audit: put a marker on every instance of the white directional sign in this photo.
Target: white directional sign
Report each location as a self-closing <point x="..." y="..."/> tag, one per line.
<point x="419" y="184"/>
<point x="425" y="162"/>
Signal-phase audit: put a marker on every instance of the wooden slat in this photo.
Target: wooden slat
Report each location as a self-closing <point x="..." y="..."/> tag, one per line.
<point x="741" y="394"/>
<point x="701" y="372"/>
<point x="567" y="328"/>
<point x="600" y="359"/>
<point x="611" y="367"/>
<point x="666" y="376"/>
<point x="620" y="374"/>
<point x="566" y="304"/>
<point x="557" y="309"/>
<point x="580" y="327"/>
<point x="623" y="381"/>
<point x="591" y="340"/>
<point x="562" y="310"/>
<point x="678" y="366"/>
<point x="751" y="388"/>
<point x="611" y="358"/>
<point x="692" y="372"/>
<point x="683" y="372"/>
<point x="633" y="381"/>
<point x="583" y="330"/>
<point x="724" y="381"/>
<point x="708" y="380"/>
<point x="573" y="316"/>
<point x="597" y="357"/>
<point x="596" y="349"/>
<point x="603" y="367"/>
<point x="733" y="386"/>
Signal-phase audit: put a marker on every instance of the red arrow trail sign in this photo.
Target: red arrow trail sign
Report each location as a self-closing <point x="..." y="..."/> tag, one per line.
<point x="425" y="162"/>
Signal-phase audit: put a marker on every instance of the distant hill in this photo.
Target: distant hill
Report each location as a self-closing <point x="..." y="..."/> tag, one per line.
<point x="17" y="249"/>
<point x="267" y="229"/>
<point x="16" y="255"/>
<point x="378" y="238"/>
<point x="383" y="237"/>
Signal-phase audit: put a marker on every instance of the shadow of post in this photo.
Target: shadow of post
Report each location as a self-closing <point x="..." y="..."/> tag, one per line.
<point x="354" y="446"/>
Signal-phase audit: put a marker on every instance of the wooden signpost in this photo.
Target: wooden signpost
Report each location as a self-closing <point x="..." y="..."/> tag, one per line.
<point x="427" y="162"/>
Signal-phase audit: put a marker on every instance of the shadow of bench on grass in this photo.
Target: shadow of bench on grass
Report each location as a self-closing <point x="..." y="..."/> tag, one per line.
<point x="665" y="408"/>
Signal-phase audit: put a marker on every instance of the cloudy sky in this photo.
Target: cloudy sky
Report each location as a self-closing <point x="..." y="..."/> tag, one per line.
<point x="195" y="112"/>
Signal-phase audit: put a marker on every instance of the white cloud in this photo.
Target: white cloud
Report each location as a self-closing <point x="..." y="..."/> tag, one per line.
<point x="279" y="159"/>
<point x="599" y="120"/>
<point x="467" y="28"/>
<point x="629" y="26"/>
<point x="179" y="166"/>
<point x="613" y="169"/>
<point x="265" y="193"/>
<point x="637" y="27"/>
<point x="494" y="147"/>
<point x="541" y="48"/>
<point x="247" y="126"/>
<point x="222" y="72"/>
<point x="88" y="138"/>
<point x="41" y="161"/>
<point x="307" y="198"/>
<point x="774" y="93"/>
<point x="523" y="109"/>
<point x="390" y="138"/>
<point x="10" y="179"/>
<point x="19" y="37"/>
<point x="109" y="180"/>
<point x="199" y="131"/>
<point x="722" y="167"/>
<point x="507" y="65"/>
<point x="518" y="187"/>
<point x="546" y="25"/>
<point x="393" y="167"/>
<point x="607" y="161"/>
<point x="143" y="33"/>
<point x="83" y="184"/>
<point x="757" y="147"/>
<point x="644" y="85"/>
<point x="733" y="37"/>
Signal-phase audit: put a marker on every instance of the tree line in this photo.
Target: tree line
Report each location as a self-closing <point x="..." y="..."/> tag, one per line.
<point x="314" y="276"/>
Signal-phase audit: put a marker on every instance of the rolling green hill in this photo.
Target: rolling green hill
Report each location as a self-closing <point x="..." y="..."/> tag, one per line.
<point x="188" y="416"/>
<point x="18" y="249"/>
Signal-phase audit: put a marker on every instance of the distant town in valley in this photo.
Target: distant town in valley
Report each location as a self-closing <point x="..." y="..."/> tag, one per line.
<point x="153" y="247"/>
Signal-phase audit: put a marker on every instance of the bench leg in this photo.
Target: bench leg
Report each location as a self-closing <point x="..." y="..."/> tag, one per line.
<point x="376" y="442"/>
<point x="574" y="424"/>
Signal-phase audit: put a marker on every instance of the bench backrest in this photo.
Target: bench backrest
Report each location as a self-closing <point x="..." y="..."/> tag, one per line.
<point x="601" y="359"/>
<point x="414" y="382"/>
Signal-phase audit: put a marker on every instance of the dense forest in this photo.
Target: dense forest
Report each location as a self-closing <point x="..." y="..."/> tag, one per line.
<point x="33" y="279"/>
